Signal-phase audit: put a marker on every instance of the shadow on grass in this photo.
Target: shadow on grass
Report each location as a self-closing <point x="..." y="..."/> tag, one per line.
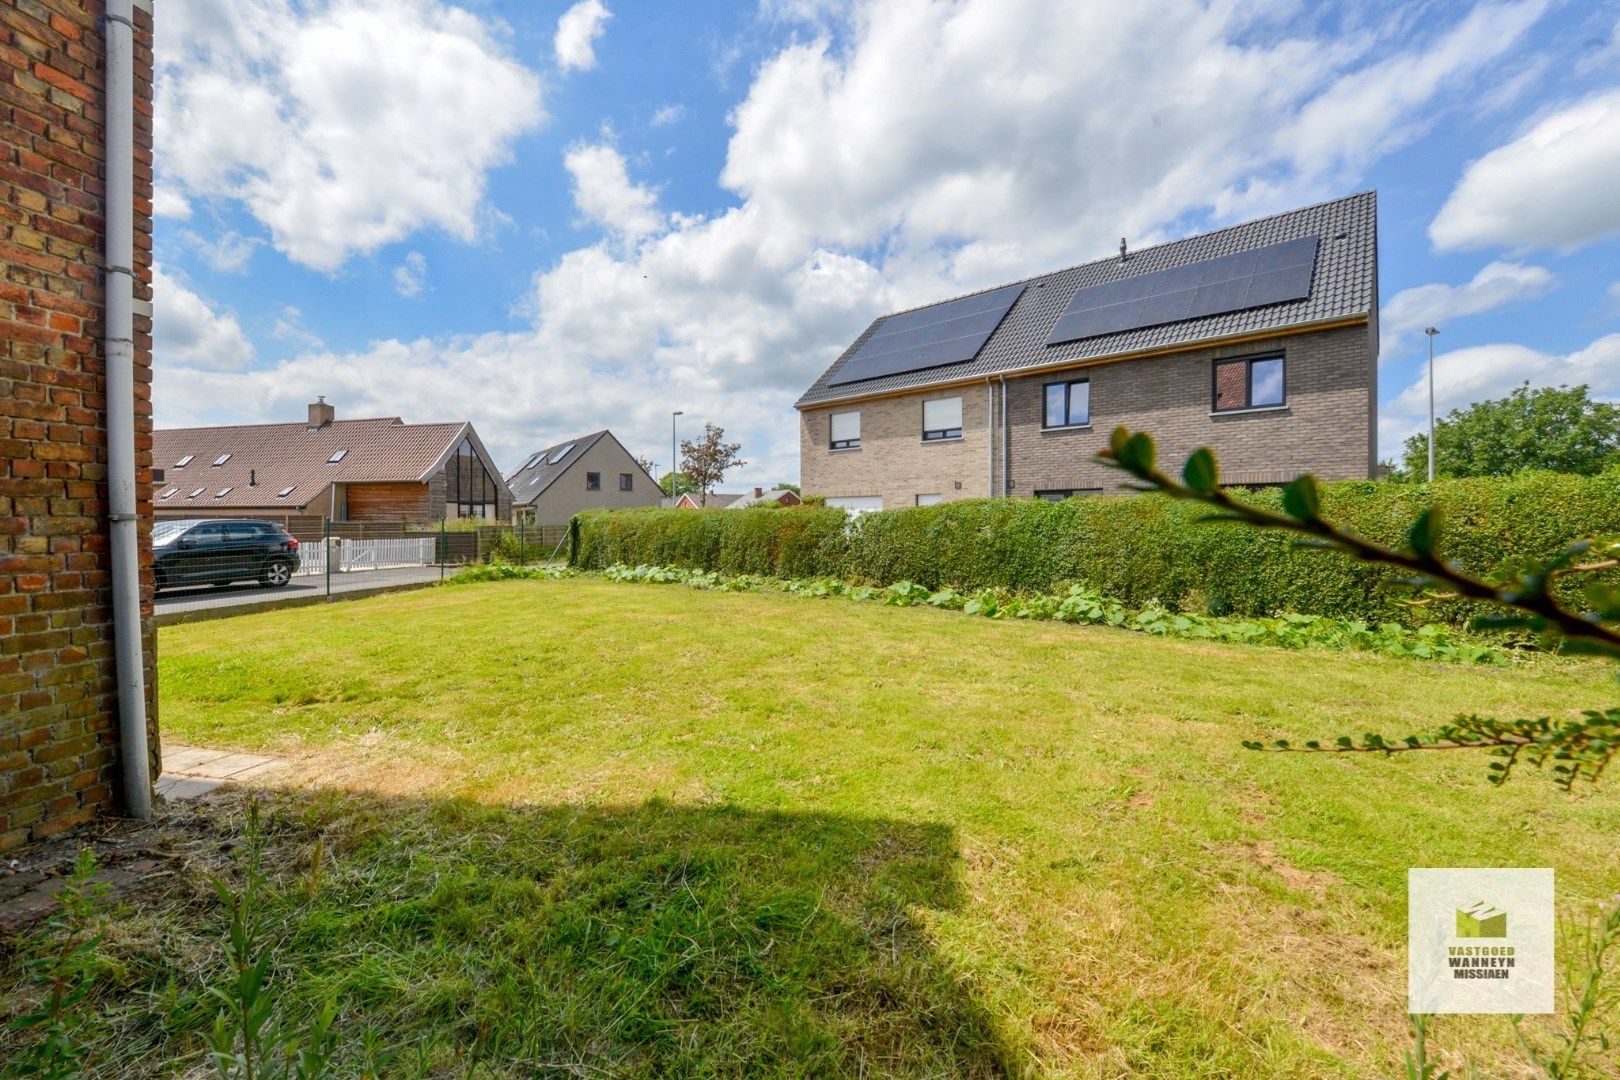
<point x="577" y="940"/>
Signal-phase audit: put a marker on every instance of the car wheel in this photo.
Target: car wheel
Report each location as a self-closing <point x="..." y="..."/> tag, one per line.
<point x="277" y="572"/>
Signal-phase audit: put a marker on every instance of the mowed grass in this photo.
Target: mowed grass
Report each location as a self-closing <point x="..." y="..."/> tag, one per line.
<point x="648" y="830"/>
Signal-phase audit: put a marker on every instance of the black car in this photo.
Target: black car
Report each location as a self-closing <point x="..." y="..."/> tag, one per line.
<point x="219" y="551"/>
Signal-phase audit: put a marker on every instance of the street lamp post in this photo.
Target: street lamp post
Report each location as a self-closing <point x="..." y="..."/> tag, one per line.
<point x="1431" y="331"/>
<point x="674" y="458"/>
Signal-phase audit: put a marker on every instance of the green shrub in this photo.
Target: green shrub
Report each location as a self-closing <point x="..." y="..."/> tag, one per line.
<point x="1138" y="549"/>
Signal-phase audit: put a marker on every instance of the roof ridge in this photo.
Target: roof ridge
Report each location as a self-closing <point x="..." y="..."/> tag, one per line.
<point x="391" y="420"/>
<point x="1026" y="281"/>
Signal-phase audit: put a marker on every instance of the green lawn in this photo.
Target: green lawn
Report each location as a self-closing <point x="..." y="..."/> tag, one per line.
<point x="643" y="829"/>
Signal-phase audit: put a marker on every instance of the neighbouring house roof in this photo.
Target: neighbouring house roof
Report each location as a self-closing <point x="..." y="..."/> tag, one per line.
<point x="764" y="498"/>
<point x="266" y="459"/>
<point x="716" y="500"/>
<point x="1344" y="285"/>
<point x="539" y="471"/>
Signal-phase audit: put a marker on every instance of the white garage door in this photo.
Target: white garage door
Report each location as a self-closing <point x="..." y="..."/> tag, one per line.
<point x="856" y="504"/>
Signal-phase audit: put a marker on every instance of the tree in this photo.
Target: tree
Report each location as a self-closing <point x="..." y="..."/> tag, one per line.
<point x="1556" y="428"/>
<point x="707" y="459"/>
<point x="785" y="486"/>
<point x="676" y="484"/>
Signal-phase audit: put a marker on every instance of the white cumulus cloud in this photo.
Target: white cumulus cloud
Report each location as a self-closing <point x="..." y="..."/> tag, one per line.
<point x="1552" y="187"/>
<point x="1496" y="285"/>
<point x="604" y="193"/>
<point x="188" y="332"/>
<point x="341" y="127"/>
<point x="577" y="31"/>
<point x="410" y="276"/>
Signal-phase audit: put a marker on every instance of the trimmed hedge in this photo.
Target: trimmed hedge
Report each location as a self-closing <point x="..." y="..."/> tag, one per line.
<point x="1137" y="548"/>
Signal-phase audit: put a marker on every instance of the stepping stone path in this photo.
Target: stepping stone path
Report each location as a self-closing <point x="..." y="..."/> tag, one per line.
<point x="190" y="771"/>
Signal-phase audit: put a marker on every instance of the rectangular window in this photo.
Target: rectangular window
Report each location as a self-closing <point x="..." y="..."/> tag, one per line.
<point x="1068" y="404"/>
<point x="1253" y="382"/>
<point x="928" y="500"/>
<point x="222" y="459"/>
<point x="337" y="456"/>
<point x="942" y="419"/>
<point x="1059" y="494"/>
<point x="625" y="482"/>
<point x="593" y="481"/>
<point x="286" y="491"/>
<point x="183" y="462"/>
<point x="846" y="430"/>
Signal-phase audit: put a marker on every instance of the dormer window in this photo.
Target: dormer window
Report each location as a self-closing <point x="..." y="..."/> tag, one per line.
<point x="337" y="456"/>
<point x="286" y="491"/>
<point x="183" y="462"/>
<point x="222" y="459"/>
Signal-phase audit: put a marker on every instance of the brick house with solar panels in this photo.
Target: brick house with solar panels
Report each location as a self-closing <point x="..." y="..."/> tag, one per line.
<point x="373" y="470"/>
<point x="1259" y="340"/>
<point x="592" y="472"/>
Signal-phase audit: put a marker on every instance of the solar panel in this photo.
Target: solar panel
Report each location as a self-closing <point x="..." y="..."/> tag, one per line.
<point x="1248" y="279"/>
<point x="930" y="337"/>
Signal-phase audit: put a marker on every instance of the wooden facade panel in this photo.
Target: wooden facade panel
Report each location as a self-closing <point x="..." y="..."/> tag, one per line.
<point x="387" y="502"/>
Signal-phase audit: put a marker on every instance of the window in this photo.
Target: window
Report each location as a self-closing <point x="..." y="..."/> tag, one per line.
<point x="928" y="500"/>
<point x="211" y="533"/>
<point x="286" y="491"/>
<point x="195" y="493"/>
<point x="337" y="456"/>
<point x="942" y="419"/>
<point x="626" y="482"/>
<point x="531" y="463"/>
<point x="169" y="494"/>
<point x="846" y="430"/>
<point x="593" y="481"/>
<point x="560" y="454"/>
<point x="469" y="489"/>
<point x="183" y="462"/>
<point x="1059" y="494"/>
<point x="1254" y="382"/>
<point x="855" y="504"/>
<point x="222" y="492"/>
<point x="1068" y="404"/>
<point x="222" y="459"/>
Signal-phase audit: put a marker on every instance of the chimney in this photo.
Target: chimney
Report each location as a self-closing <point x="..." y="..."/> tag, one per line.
<point x="321" y="414"/>
<point x="759" y="493"/>
<point x="1122" y="249"/>
<point x="253" y="478"/>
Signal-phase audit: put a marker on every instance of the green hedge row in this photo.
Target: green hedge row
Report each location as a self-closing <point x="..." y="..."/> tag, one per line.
<point x="1138" y="548"/>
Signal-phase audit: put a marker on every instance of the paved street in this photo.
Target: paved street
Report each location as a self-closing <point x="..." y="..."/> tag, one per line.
<point x="299" y="590"/>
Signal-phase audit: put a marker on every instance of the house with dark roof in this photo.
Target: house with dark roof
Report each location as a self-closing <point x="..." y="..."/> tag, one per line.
<point x="375" y="470"/>
<point x="591" y="472"/>
<point x="1259" y="340"/>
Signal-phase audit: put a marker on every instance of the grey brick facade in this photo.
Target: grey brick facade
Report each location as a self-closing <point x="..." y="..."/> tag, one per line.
<point x="1325" y="426"/>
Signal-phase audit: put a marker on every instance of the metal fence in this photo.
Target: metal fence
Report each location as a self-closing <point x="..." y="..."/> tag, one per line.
<point x="226" y="565"/>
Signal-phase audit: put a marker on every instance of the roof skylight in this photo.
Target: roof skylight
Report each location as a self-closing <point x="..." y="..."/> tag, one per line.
<point x="169" y="493"/>
<point x="560" y="454"/>
<point x="195" y="493"/>
<point x="337" y="455"/>
<point x="222" y="459"/>
<point x="222" y="492"/>
<point x="286" y="491"/>
<point x="183" y="462"/>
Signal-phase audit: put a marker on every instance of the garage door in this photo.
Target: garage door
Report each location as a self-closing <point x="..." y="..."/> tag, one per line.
<point x="856" y="504"/>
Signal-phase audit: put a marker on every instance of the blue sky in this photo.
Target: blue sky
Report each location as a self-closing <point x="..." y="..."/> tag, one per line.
<point x="549" y="218"/>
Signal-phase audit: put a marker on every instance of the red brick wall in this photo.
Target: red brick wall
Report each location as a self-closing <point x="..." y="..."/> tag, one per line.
<point x="58" y="709"/>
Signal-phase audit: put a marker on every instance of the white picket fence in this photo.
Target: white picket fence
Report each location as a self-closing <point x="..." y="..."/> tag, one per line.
<point x="368" y="554"/>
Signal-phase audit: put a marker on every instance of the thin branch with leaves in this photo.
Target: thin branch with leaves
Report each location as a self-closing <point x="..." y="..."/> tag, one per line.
<point x="1578" y="749"/>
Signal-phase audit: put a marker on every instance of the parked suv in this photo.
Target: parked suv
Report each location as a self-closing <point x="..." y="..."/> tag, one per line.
<point x="219" y="551"/>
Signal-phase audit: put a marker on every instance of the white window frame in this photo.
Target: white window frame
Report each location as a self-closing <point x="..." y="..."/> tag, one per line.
<point x="848" y="441"/>
<point x="938" y="427"/>
<point x="183" y="462"/>
<point x="222" y="459"/>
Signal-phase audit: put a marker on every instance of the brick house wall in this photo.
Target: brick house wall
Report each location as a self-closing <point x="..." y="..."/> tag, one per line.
<point x="58" y="707"/>
<point x="892" y="461"/>
<point x="1326" y="426"/>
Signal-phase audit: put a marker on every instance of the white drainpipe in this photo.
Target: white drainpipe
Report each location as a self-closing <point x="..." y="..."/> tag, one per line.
<point x="1005" y="446"/>
<point x="119" y="350"/>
